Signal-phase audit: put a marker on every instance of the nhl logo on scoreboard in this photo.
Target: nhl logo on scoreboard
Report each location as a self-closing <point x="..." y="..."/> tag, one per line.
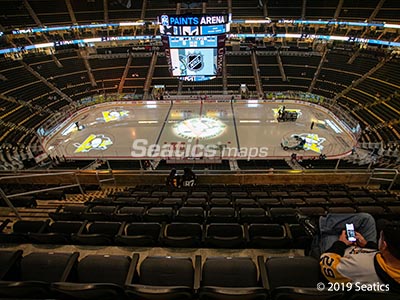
<point x="164" y="20"/>
<point x="195" y="61"/>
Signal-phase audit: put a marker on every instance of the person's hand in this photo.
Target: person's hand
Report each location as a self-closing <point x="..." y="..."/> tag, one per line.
<point x="361" y="241"/>
<point x="343" y="238"/>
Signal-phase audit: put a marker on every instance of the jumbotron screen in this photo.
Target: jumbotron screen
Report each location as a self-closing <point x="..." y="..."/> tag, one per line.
<point x="194" y="45"/>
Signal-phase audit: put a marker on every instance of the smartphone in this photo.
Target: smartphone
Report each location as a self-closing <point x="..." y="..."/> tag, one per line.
<point x="351" y="234"/>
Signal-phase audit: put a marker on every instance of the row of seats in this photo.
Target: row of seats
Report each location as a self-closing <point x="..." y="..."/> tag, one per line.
<point x="256" y="191"/>
<point x="246" y="187"/>
<point x="67" y="276"/>
<point x="204" y="214"/>
<point x="239" y="200"/>
<point x="193" y="235"/>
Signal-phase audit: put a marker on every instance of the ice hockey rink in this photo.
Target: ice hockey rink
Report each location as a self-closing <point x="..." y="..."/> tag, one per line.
<point x="199" y="129"/>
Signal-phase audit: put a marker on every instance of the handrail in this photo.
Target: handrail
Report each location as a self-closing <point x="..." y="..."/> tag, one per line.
<point x="12" y="207"/>
<point x="391" y="180"/>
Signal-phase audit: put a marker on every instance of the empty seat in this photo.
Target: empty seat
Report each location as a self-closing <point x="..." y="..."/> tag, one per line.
<point x="299" y="237"/>
<point x="9" y="261"/>
<point x="104" y="201"/>
<point x="183" y="235"/>
<point x="198" y="194"/>
<point x="128" y="201"/>
<point x="190" y="214"/>
<point x="394" y="211"/>
<point x="159" y="214"/>
<point x="220" y="202"/>
<point x="99" y="213"/>
<point x="35" y="274"/>
<point x="162" y="194"/>
<point x="230" y="278"/>
<point x="253" y="215"/>
<point x="221" y="214"/>
<point x="341" y="201"/>
<point x="165" y="278"/>
<point x="129" y="214"/>
<point x="268" y="236"/>
<point x="298" y="194"/>
<point x="294" y="202"/>
<point x="318" y="193"/>
<point x="58" y="232"/>
<point x="97" y="233"/>
<point x="196" y="202"/>
<point x="276" y="194"/>
<point x="316" y="201"/>
<point x="376" y="211"/>
<point x="259" y="194"/>
<point x="122" y="194"/>
<point x="219" y="194"/>
<point x="358" y="193"/>
<point x="363" y="200"/>
<point x="304" y="271"/>
<point x="148" y="201"/>
<point x="139" y="234"/>
<point x="180" y="194"/>
<point x="21" y="231"/>
<point x="224" y="235"/>
<point x="390" y="199"/>
<point x="283" y="214"/>
<point x="99" y="277"/>
<point x="312" y="211"/>
<point x="236" y="195"/>
<point x="245" y="202"/>
<point x="338" y="193"/>
<point x="68" y="213"/>
<point x="269" y="202"/>
<point x="172" y="201"/>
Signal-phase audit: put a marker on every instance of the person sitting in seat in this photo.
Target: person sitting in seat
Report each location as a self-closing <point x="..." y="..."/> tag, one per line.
<point x="360" y="260"/>
<point x="188" y="178"/>
<point x="173" y="179"/>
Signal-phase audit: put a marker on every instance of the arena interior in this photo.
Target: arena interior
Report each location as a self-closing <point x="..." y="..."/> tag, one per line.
<point x="281" y="108"/>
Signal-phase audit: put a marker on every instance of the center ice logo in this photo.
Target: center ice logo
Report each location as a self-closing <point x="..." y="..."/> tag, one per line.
<point x="199" y="128"/>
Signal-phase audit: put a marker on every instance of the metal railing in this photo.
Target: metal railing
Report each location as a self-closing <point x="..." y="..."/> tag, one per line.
<point x="6" y="197"/>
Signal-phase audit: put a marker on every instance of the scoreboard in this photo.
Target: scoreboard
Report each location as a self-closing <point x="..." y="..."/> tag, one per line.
<point x="194" y="44"/>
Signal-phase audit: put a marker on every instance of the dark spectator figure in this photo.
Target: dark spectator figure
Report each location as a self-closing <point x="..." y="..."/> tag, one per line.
<point x="188" y="178"/>
<point x="173" y="179"/>
<point x="312" y="125"/>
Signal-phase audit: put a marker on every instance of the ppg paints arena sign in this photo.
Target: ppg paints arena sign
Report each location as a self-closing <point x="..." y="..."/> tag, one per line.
<point x="199" y="128"/>
<point x="185" y="20"/>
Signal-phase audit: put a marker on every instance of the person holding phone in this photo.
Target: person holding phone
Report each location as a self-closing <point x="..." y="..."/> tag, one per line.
<point x="355" y="256"/>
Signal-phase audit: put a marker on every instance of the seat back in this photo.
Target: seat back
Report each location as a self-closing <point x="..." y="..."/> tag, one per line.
<point x="9" y="263"/>
<point x="103" y="269"/>
<point x="47" y="267"/>
<point x="167" y="271"/>
<point x="304" y="271"/>
<point x="235" y="272"/>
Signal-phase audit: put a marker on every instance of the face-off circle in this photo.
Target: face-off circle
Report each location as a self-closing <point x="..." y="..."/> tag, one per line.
<point x="199" y="128"/>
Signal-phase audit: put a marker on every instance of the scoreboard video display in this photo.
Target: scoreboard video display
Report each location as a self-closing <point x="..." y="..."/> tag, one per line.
<point x="194" y="45"/>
